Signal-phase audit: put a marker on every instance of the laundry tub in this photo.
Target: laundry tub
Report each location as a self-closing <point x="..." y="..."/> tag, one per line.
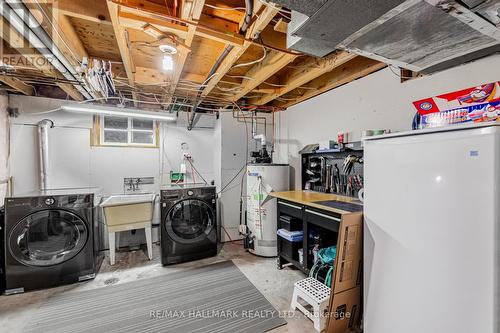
<point x="128" y="212"/>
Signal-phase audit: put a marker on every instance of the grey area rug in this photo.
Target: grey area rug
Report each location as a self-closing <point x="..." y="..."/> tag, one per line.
<point x="213" y="298"/>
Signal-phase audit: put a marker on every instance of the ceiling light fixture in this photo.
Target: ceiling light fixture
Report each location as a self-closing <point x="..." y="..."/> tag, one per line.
<point x="119" y="112"/>
<point x="167" y="62"/>
<point x="168" y="49"/>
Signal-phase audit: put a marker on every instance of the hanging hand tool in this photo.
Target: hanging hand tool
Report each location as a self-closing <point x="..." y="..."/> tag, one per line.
<point x="337" y="178"/>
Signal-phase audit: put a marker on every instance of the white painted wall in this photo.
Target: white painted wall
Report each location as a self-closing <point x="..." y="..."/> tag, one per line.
<point x="4" y="146"/>
<point x="74" y="163"/>
<point x="218" y="149"/>
<point x="374" y="102"/>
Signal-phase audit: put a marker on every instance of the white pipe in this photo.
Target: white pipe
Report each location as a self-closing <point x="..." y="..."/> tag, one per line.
<point x="43" y="149"/>
<point x="255" y="136"/>
<point x="22" y="20"/>
<point x="262" y="138"/>
<point x="254" y="124"/>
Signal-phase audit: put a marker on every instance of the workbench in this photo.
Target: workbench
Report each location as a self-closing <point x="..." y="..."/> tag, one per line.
<point x="343" y="228"/>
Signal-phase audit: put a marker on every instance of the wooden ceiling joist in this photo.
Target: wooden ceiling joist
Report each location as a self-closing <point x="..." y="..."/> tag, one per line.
<point x="17" y="84"/>
<point x="281" y="26"/>
<point x="65" y="39"/>
<point x="146" y="7"/>
<point x="122" y="46"/>
<point x="350" y="71"/>
<point x="222" y="37"/>
<point x="90" y="10"/>
<point x="265" y="16"/>
<point x="71" y="39"/>
<point x="63" y="34"/>
<point x="137" y="21"/>
<point x="190" y="10"/>
<point x="306" y="71"/>
<point x="260" y="72"/>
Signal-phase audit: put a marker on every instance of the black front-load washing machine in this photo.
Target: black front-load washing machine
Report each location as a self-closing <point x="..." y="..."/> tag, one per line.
<point x="188" y="227"/>
<point x="49" y="240"/>
<point x="2" y="257"/>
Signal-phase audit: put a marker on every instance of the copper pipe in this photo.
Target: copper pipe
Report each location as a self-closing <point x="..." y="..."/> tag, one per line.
<point x="242" y="119"/>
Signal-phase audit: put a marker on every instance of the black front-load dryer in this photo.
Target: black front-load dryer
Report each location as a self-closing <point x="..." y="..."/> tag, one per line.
<point x="49" y="240"/>
<point x="189" y="227"/>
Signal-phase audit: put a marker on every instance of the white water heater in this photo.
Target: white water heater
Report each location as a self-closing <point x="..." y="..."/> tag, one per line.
<point x="262" y="179"/>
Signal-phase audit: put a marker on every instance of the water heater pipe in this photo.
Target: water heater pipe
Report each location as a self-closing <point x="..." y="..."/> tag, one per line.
<point x="262" y="139"/>
<point x="255" y="136"/>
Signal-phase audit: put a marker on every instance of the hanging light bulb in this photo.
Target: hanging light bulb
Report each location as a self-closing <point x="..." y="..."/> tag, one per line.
<point x="168" y="62"/>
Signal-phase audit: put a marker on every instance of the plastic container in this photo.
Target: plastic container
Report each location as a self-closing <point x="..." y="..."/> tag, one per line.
<point x="301" y="255"/>
<point x="289" y="249"/>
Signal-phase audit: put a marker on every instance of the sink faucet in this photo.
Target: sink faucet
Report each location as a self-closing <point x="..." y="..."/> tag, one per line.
<point x="133" y="184"/>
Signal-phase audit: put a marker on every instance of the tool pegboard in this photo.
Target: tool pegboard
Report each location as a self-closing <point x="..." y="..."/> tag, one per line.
<point x="333" y="171"/>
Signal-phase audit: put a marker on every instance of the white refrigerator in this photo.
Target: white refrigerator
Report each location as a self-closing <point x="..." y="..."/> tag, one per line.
<point x="431" y="236"/>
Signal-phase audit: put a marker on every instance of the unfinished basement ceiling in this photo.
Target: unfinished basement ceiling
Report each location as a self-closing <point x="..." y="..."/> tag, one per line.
<point x="217" y="64"/>
<point x="285" y="54"/>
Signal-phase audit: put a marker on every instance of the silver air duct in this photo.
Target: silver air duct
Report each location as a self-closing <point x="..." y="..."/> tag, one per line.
<point x="43" y="148"/>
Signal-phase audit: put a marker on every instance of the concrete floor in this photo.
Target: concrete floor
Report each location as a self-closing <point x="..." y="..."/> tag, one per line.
<point x="276" y="285"/>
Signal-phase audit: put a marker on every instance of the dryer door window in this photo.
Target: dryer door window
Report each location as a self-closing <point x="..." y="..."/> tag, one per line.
<point x="189" y="221"/>
<point x="47" y="238"/>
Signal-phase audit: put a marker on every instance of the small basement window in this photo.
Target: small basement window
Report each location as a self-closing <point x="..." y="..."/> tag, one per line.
<point x="125" y="132"/>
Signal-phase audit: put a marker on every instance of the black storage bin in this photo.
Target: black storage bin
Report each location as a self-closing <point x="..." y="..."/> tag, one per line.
<point x="290" y="223"/>
<point x="289" y="249"/>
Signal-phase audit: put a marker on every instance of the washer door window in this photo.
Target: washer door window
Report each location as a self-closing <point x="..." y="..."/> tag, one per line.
<point x="47" y="238"/>
<point x="189" y="221"/>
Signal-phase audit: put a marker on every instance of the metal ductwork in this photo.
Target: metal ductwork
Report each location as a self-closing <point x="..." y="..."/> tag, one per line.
<point x="301" y="12"/>
<point x="310" y="46"/>
<point x="43" y="149"/>
<point x="420" y="35"/>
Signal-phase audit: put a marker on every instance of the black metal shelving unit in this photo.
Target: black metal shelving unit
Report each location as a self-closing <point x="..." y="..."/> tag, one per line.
<point x="309" y="218"/>
<point x="321" y="171"/>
